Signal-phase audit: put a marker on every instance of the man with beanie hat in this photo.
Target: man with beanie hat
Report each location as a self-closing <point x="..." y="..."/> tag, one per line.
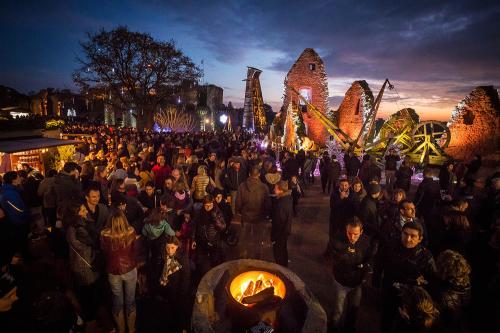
<point x="281" y="222"/>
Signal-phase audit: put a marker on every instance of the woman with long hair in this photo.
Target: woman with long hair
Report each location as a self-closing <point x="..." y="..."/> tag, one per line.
<point x="101" y="177"/>
<point x="358" y="191"/>
<point x="83" y="254"/>
<point x="417" y="312"/>
<point x="454" y="290"/>
<point x="117" y="244"/>
<point x="173" y="282"/>
<point x="200" y="183"/>
<point x="220" y="168"/>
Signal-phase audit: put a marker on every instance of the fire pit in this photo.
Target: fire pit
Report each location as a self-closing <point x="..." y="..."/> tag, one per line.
<point x="242" y="294"/>
<point x="254" y="287"/>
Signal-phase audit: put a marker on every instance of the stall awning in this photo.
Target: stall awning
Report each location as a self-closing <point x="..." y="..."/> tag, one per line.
<point x="17" y="145"/>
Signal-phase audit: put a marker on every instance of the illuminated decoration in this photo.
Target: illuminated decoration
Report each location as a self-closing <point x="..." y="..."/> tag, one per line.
<point x="109" y="116"/>
<point x="173" y="120"/>
<point x="254" y="118"/>
<point x="223" y="119"/>
<point x="71" y="113"/>
<point x="54" y="124"/>
<point x="307" y="94"/>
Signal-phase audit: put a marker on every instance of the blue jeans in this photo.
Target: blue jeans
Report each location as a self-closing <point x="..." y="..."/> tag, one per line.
<point x="345" y="306"/>
<point x="120" y="283"/>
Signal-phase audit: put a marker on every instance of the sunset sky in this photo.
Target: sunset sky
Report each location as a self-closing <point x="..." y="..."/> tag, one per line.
<point x="434" y="52"/>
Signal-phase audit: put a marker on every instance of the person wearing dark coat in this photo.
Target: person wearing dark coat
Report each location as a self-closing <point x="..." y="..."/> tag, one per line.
<point x="447" y="178"/>
<point x="133" y="210"/>
<point x="390" y="231"/>
<point x="333" y="171"/>
<point x="391" y="165"/>
<point x="149" y="198"/>
<point x="427" y="197"/>
<point x="453" y="290"/>
<point x="369" y="211"/>
<point x="324" y="162"/>
<point x="232" y="179"/>
<point x="403" y="177"/>
<point x="209" y="224"/>
<point x="15" y="221"/>
<point x="341" y="208"/>
<point x="281" y="217"/>
<point x="301" y="158"/>
<point x="408" y="262"/>
<point x="223" y="205"/>
<point x="352" y="165"/>
<point x="172" y="285"/>
<point x="290" y="167"/>
<point x="97" y="212"/>
<point x="352" y="266"/>
<point x="67" y="186"/>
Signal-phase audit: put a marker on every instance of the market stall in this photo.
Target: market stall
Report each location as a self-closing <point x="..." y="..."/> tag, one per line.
<point x="14" y="152"/>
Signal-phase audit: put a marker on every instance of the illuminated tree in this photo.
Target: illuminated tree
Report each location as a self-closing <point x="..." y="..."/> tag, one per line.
<point x="173" y="120"/>
<point x="133" y="70"/>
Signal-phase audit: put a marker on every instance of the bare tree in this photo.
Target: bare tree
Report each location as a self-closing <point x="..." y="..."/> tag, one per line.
<point x="133" y="70"/>
<point x="175" y="120"/>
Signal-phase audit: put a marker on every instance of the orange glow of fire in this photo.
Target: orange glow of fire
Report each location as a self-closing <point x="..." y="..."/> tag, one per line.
<point x="252" y="282"/>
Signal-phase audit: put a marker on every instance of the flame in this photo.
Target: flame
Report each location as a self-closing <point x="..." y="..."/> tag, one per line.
<point x="252" y="282"/>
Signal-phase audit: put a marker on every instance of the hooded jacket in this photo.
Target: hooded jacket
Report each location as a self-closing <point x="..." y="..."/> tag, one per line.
<point x="253" y="201"/>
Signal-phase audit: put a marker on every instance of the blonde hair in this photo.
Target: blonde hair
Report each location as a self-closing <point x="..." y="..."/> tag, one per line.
<point x="454" y="268"/>
<point x="419" y="306"/>
<point x="118" y="229"/>
<point x="202" y="170"/>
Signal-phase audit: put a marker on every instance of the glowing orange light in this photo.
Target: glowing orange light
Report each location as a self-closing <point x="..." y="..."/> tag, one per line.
<point x="252" y="282"/>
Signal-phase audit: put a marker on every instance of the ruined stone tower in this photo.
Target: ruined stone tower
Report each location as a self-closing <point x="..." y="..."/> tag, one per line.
<point x="253" y="112"/>
<point x="355" y="107"/>
<point x="308" y="77"/>
<point x="475" y="124"/>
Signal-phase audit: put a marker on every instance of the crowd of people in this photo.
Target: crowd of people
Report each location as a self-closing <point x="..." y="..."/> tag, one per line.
<point x="140" y="217"/>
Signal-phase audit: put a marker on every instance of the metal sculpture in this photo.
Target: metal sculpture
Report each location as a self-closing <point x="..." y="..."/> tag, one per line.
<point x="254" y="118"/>
<point x="423" y="142"/>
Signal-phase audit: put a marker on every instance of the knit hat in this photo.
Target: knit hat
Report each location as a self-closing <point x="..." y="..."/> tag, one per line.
<point x="374" y="188"/>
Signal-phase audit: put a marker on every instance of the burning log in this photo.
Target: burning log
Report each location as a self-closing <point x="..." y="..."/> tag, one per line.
<point x="250" y="289"/>
<point x="262" y="296"/>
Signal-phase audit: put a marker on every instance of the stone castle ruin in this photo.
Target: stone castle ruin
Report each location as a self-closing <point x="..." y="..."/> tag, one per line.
<point x="355" y="107"/>
<point x="475" y="124"/>
<point x="308" y="77"/>
<point x="474" y="127"/>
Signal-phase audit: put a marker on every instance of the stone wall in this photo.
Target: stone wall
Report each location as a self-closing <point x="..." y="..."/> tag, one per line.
<point x="475" y="124"/>
<point x="309" y="72"/>
<point x="356" y="104"/>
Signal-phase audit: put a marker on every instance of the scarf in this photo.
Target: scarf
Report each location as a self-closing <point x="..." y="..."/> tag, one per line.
<point x="180" y="196"/>
<point x="170" y="267"/>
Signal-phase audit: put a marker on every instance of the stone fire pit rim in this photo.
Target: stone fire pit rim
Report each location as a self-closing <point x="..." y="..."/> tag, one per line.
<point x="204" y="315"/>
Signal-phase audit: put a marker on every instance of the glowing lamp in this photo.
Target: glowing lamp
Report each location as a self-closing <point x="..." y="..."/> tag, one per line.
<point x="223" y="119"/>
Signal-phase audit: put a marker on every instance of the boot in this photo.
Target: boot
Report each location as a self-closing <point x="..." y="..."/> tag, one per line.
<point x="120" y="322"/>
<point x="131" y="321"/>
